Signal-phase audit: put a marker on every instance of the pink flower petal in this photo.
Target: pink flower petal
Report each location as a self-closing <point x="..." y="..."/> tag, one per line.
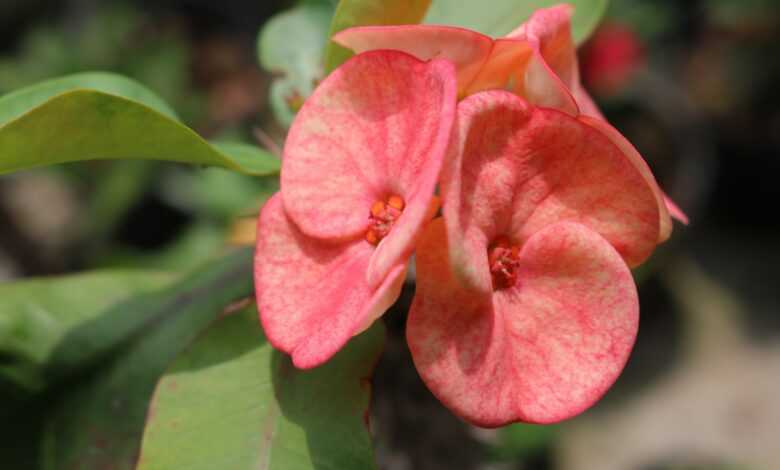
<point x="518" y="168"/>
<point x="467" y="50"/>
<point x="633" y="156"/>
<point x="481" y="62"/>
<point x="312" y="295"/>
<point x="675" y="211"/>
<point x="538" y="61"/>
<point x="586" y="104"/>
<point x="504" y="67"/>
<point x="552" y="79"/>
<point x="374" y="127"/>
<point x="543" y="87"/>
<point x="549" y="29"/>
<point x="540" y="352"/>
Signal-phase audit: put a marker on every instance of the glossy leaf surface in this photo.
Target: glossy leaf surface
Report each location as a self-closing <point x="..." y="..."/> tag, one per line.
<point x="232" y="402"/>
<point x="98" y="421"/>
<point x="36" y="314"/>
<point x="98" y="116"/>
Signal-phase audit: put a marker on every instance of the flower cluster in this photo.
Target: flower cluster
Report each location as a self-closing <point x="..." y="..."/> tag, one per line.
<point x="525" y="308"/>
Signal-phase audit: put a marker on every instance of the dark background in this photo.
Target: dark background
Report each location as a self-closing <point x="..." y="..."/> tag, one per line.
<point x="693" y="84"/>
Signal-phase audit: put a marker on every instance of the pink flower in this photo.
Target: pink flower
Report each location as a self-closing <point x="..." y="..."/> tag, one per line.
<point x="525" y="309"/>
<point x="359" y="170"/>
<point x="537" y="61"/>
<point x="554" y="75"/>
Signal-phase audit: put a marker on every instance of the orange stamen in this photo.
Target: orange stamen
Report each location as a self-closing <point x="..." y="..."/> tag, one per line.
<point x="377" y="208"/>
<point x="381" y="218"/>
<point x="371" y="237"/>
<point x="396" y="202"/>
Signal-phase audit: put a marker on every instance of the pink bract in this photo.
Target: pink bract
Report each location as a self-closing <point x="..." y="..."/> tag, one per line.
<point x="328" y="261"/>
<point x="312" y="295"/>
<point x="666" y="206"/>
<point x="546" y="340"/>
<point x="541" y="352"/>
<point x="538" y="61"/>
<point x="481" y="62"/>
<point x="553" y="79"/>
<point x="514" y="166"/>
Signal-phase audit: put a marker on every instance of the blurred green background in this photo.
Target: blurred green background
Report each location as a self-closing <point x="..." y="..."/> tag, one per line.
<point x="691" y="83"/>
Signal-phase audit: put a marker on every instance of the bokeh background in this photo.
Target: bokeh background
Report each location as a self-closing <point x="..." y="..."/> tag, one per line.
<point x="693" y="84"/>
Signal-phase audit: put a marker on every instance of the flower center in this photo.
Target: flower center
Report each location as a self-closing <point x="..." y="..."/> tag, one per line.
<point x="381" y="218"/>
<point x="504" y="259"/>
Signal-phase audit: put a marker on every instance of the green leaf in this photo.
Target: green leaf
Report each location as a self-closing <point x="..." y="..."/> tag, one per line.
<point x="372" y="12"/>
<point x="104" y="116"/>
<point x="15" y="104"/>
<point x="36" y="314"/>
<point x="232" y="402"/>
<point x="295" y="57"/>
<point x="97" y="420"/>
<point x="499" y="17"/>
